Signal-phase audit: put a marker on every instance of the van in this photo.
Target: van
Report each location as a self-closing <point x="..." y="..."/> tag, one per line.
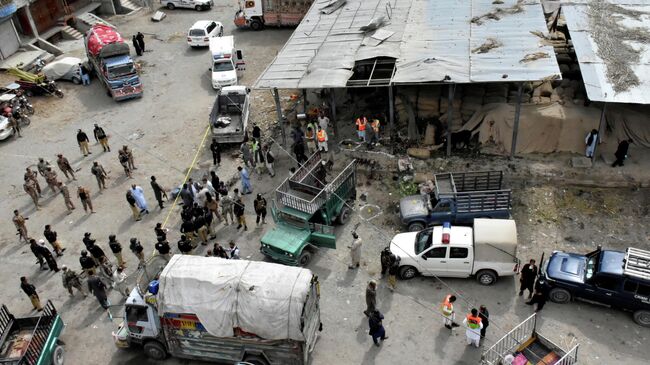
<point x="198" y="5"/>
<point x="202" y="31"/>
<point x="225" y="62"/>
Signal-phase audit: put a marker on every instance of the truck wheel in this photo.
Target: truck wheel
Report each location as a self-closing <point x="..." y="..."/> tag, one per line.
<point x="559" y="295"/>
<point x="642" y="318"/>
<point x="170" y="6"/>
<point x="76" y="80"/>
<point x="304" y="258"/>
<point x="197" y="8"/>
<point x="486" y="277"/>
<point x="155" y="350"/>
<point x="256" y="24"/>
<point x="255" y="360"/>
<point x="344" y="216"/>
<point x="407" y="272"/>
<point x="416" y="226"/>
<point x="58" y="355"/>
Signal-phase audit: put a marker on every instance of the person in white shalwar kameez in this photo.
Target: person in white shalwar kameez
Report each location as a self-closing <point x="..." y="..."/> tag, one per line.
<point x="140" y="201"/>
<point x="590" y="142"/>
<point x="473" y="324"/>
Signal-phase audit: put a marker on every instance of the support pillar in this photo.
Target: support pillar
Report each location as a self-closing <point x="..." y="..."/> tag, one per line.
<point x="278" y="110"/>
<point x="515" y="128"/>
<point x="333" y="112"/>
<point x="391" y="117"/>
<point x="601" y="131"/>
<point x="30" y="19"/>
<point x="450" y="112"/>
<point x="304" y="101"/>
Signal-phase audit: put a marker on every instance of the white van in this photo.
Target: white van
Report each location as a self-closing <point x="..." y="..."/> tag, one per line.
<point x="190" y="4"/>
<point x="225" y="61"/>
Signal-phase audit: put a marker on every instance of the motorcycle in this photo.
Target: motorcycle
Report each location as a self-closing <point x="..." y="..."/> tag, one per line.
<point x="17" y="113"/>
<point x="40" y="88"/>
<point x="24" y="104"/>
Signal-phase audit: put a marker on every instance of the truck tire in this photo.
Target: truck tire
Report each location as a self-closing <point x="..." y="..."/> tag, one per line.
<point x="75" y="80"/>
<point x="486" y="277"/>
<point x="559" y="295"/>
<point x="304" y="258"/>
<point x="154" y="350"/>
<point x="256" y="24"/>
<point x="198" y="8"/>
<point x="344" y="216"/>
<point x="642" y="318"/>
<point x="416" y="226"/>
<point x="170" y="6"/>
<point x="58" y="355"/>
<point x="255" y="360"/>
<point x="407" y="272"/>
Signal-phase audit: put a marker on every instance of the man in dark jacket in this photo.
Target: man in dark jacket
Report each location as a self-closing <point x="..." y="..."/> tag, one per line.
<point x="621" y="152"/>
<point x="33" y="245"/>
<point x="52" y="237"/>
<point x="88" y="241"/>
<point x="140" y="38"/>
<point x="215" y="148"/>
<point x="47" y="255"/>
<point x="485" y="319"/>
<point x="527" y="279"/>
<point x="162" y="246"/>
<point x="184" y="245"/>
<point x="101" y="137"/>
<point x="98" y="288"/>
<point x="384" y="258"/>
<point x="30" y="290"/>
<point x="371" y="298"/>
<point x="87" y="263"/>
<point x="82" y="140"/>
<point x="98" y="254"/>
<point x="158" y="192"/>
<point x="377" y="330"/>
<point x="134" y="208"/>
<point x="137" y="250"/>
<point x="116" y="249"/>
<point x="186" y="196"/>
<point x="540" y="297"/>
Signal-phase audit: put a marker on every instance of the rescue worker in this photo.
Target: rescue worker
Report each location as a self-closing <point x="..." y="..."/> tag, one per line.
<point x="65" y="167"/>
<point x="374" y="124"/>
<point x="321" y="137"/>
<point x="70" y="279"/>
<point x="474" y="325"/>
<point x="361" y="123"/>
<point x="448" y="311"/>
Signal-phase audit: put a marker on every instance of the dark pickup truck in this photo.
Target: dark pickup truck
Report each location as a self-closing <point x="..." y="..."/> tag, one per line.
<point x="458" y="198"/>
<point x="613" y="278"/>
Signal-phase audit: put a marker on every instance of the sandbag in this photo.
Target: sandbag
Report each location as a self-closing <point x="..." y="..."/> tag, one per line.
<point x="429" y="135"/>
<point x="421" y="153"/>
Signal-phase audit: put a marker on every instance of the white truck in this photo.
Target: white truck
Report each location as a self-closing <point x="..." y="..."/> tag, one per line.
<point x="198" y="5"/>
<point x="223" y="311"/>
<point x="487" y="251"/>
<point x="225" y="62"/>
<point x="256" y="14"/>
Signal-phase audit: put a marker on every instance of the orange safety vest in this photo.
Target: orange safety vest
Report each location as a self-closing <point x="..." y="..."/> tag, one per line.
<point x="473" y="322"/>
<point x="361" y="124"/>
<point x="321" y="135"/>
<point x="447" y="306"/>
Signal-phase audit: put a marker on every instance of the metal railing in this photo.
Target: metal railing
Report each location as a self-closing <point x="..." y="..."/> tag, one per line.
<point x="39" y="335"/>
<point x="305" y="170"/>
<point x="508" y="343"/>
<point x="570" y="358"/>
<point x="481" y="201"/>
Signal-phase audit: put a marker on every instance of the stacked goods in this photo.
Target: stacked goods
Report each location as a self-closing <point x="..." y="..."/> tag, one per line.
<point x="427" y="102"/>
<point x="472" y="100"/>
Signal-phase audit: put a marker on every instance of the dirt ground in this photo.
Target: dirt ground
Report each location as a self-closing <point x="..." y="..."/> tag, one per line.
<point x="165" y="129"/>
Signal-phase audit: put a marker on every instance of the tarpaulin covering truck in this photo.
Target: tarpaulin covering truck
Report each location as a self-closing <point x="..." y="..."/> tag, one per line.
<point x="109" y="58"/>
<point x="31" y="340"/>
<point x="256" y="14"/>
<point x="217" y="310"/>
<point x="457" y="197"/>
<point x="305" y="209"/>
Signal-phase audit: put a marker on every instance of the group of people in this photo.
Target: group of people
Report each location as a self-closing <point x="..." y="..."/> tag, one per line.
<point x="314" y="138"/>
<point x="368" y="130"/>
<point x="592" y="139"/>
<point x="138" y="43"/>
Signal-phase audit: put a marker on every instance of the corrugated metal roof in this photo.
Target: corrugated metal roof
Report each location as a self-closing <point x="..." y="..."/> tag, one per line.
<point x="593" y="68"/>
<point x="429" y="39"/>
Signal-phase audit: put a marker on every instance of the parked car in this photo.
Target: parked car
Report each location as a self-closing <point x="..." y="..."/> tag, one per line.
<point x="198" y="5"/>
<point x="66" y="68"/>
<point x="200" y="33"/>
<point x="612" y="278"/>
<point x="5" y="128"/>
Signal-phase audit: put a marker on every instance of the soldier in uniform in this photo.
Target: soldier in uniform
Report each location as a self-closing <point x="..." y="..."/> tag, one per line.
<point x="30" y="189"/>
<point x="65" y="166"/>
<point x="100" y="175"/>
<point x="71" y="280"/>
<point x="19" y="222"/>
<point x="31" y="175"/>
<point x="66" y="197"/>
<point x="51" y="179"/>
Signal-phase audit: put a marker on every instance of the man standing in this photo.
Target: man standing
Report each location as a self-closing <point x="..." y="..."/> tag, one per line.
<point x="84" y="196"/>
<point x="32" y="176"/>
<point x="215" y="148"/>
<point x="87" y="263"/>
<point x="100" y="175"/>
<point x="377" y="330"/>
<point x="239" y="213"/>
<point x="140" y="38"/>
<point x="186" y="195"/>
<point x="97" y="287"/>
<point x="136" y="46"/>
<point x="323" y="121"/>
<point x="65" y="167"/>
<point x="30" y="290"/>
<point x="19" y="222"/>
<point x="116" y="249"/>
<point x="485" y="319"/>
<point x="185" y="245"/>
<point x="474" y="325"/>
<point x="51" y="179"/>
<point x="66" y="197"/>
<point x="98" y="254"/>
<point x="310" y="136"/>
<point x="158" y="192"/>
<point x="361" y="123"/>
<point x="527" y="278"/>
<point x="132" y="204"/>
<point x="47" y="255"/>
<point x="82" y="140"/>
<point x="374" y="125"/>
<point x="371" y="298"/>
<point x="88" y="241"/>
<point x="138" y="195"/>
<point x="124" y="161"/>
<point x="392" y="272"/>
<point x="85" y="74"/>
<point x="227" y="207"/>
<point x="260" y="209"/>
<point x="234" y="251"/>
<point x="384" y="259"/>
<point x="129" y="155"/>
<point x="52" y="237"/>
<point x="70" y="279"/>
<point x="246" y="187"/>
<point x="42" y="166"/>
<point x="162" y="246"/>
<point x="36" y="250"/>
<point x="119" y="282"/>
<point x="30" y="189"/>
<point x="101" y="137"/>
<point x="137" y="249"/>
<point x="448" y="311"/>
<point x="269" y="159"/>
<point x="540" y="297"/>
<point x="590" y="142"/>
<point x="355" y="251"/>
<point x="246" y="155"/>
<point x="321" y="137"/>
<point x="621" y="152"/>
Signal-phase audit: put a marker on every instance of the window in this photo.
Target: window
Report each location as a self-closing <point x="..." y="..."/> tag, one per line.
<point x="607" y="282"/>
<point x="442" y="207"/>
<point x="436" y="253"/>
<point x="643" y="290"/>
<point x="423" y="241"/>
<point x="458" y="252"/>
<point x="197" y="32"/>
<point x="630" y="286"/>
<point x="136" y="313"/>
<point x="211" y="27"/>
<point x="223" y="66"/>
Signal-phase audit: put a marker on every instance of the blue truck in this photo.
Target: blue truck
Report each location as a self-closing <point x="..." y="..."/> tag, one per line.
<point x="458" y="198"/>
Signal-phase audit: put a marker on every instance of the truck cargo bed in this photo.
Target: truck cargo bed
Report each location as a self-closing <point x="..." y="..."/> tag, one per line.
<point x="23" y="339"/>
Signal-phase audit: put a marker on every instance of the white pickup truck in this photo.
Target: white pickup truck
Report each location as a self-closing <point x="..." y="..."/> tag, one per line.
<point x="487" y="251"/>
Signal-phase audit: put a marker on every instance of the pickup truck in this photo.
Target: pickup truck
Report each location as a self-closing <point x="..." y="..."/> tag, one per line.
<point x="222" y="311"/>
<point x="612" y="278"/>
<point x="229" y="115"/>
<point x="457" y="198"/>
<point x="487" y="250"/>
<point x="31" y="340"/>
<point x="305" y="209"/>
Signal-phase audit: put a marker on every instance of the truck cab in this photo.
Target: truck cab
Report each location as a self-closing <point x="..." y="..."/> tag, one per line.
<point x="226" y="62"/>
<point x="607" y="277"/>
<point x="121" y="76"/>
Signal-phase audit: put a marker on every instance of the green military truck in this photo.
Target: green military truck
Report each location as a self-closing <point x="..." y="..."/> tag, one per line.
<point x="305" y="209"/>
<point x="31" y="340"/>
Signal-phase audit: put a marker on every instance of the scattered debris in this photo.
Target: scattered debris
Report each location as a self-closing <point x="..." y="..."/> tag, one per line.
<point x="539" y="34"/>
<point x="534" y="56"/>
<point x="158" y="16"/>
<point x="489" y="44"/>
<point x="498" y="13"/>
<point x="497" y="2"/>
<point x="332" y="7"/>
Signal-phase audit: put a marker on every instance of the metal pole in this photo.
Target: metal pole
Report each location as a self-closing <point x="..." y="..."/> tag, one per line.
<point x="601" y="130"/>
<point x="391" y="116"/>
<point x="304" y="101"/>
<point x="450" y="109"/>
<point x="333" y="111"/>
<point x="515" y="128"/>
<point x="278" y="110"/>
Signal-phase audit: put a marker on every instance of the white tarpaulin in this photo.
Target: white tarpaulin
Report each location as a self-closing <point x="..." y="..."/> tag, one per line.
<point x="261" y="298"/>
<point x="59" y="68"/>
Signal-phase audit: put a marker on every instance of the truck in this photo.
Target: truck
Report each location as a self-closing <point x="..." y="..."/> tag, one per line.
<point x="31" y="340"/>
<point x="611" y="278"/>
<point x="487" y="251"/>
<point x="217" y="310"/>
<point x="524" y="344"/>
<point x="109" y="58"/>
<point x="229" y="115"/>
<point x="457" y="198"/>
<point x="256" y="14"/>
<point x="305" y="209"/>
<point x="225" y="62"/>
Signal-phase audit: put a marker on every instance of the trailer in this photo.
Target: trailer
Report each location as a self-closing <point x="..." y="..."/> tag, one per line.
<point x="31" y="340"/>
<point x="525" y="345"/>
<point x="256" y="14"/>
